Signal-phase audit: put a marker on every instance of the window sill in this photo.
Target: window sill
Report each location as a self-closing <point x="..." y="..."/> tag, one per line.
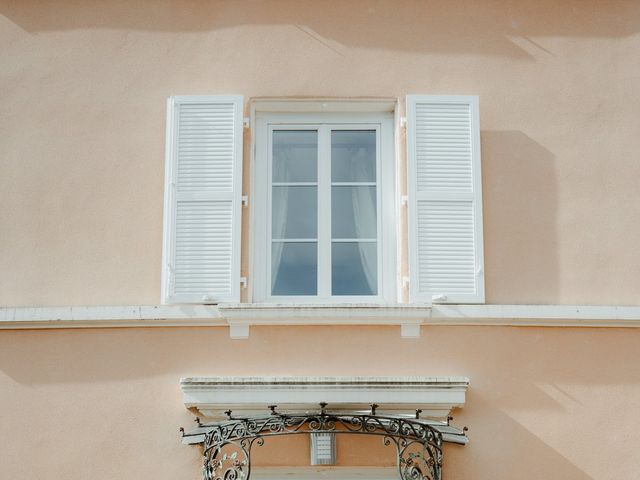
<point x="241" y="315"/>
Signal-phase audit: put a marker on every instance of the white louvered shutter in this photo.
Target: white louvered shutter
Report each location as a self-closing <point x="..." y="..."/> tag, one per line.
<point x="445" y="199"/>
<point x="203" y="199"/>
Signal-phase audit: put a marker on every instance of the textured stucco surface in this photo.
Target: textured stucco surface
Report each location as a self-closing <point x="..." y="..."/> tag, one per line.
<point x="82" y="116"/>
<point x="105" y="404"/>
<point x="83" y="109"/>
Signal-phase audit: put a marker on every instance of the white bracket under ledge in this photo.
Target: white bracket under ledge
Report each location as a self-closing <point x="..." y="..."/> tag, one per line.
<point x="435" y="396"/>
<point x="240" y="316"/>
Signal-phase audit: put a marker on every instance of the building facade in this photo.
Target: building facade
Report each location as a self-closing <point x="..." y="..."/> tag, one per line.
<point x="384" y="206"/>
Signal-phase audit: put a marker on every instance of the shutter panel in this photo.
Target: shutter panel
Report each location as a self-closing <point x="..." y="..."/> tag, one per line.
<point x="445" y="199"/>
<point x="203" y="199"/>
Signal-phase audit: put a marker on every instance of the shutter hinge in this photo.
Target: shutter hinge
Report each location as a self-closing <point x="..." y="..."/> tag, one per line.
<point x="171" y="277"/>
<point x="403" y="121"/>
<point x="246" y="122"/>
<point x="245" y="200"/>
<point x="404" y="200"/>
<point x="243" y="282"/>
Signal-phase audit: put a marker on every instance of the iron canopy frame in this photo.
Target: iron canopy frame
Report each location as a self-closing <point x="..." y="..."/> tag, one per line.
<point x="228" y="444"/>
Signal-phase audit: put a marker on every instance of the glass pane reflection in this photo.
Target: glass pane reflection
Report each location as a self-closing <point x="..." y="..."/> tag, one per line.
<point x="353" y="156"/>
<point x="354" y="268"/>
<point x="295" y="212"/>
<point x="294" y="268"/>
<point x="295" y="156"/>
<point x="353" y="212"/>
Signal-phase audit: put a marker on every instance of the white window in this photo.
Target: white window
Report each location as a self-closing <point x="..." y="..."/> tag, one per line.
<point x="325" y="210"/>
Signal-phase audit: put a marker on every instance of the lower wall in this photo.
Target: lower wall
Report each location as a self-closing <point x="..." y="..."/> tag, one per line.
<point x="555" y="403"/>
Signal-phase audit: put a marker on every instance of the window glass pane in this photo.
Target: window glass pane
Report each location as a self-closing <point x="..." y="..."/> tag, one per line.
<point x="353" y="212"/>
<point x="294" y="268"/>
<point x="294" y="212"/>
<point x="353" y="156"/>
<point x="295" y="156"/>
<point x="354" y="268"/>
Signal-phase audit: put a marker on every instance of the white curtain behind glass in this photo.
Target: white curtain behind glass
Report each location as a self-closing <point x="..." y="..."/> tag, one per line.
<point x="364" y="206"/>
<point x="282" y="194"/>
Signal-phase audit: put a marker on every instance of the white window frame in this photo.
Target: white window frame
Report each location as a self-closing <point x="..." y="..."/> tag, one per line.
<point x="387" y="208"/>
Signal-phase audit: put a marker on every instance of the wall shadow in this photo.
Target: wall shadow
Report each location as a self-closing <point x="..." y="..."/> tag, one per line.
<point x="439" y="26"/>
<point x="509" y="449"/>
<point x="520" y="214"/>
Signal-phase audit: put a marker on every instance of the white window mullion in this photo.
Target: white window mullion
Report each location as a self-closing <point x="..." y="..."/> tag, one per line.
<point x="389" y="213"/>
<point x="324" y="212"/>
<point x="269" y="205"/>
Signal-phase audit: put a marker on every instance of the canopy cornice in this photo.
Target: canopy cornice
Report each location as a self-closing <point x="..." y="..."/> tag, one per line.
<point x="398" y="395"/>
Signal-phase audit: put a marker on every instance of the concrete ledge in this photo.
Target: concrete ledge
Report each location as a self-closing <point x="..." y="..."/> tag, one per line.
<point x="324" y="314"/>
<point x="109" y="316"/>
<point x="256" y="314"/>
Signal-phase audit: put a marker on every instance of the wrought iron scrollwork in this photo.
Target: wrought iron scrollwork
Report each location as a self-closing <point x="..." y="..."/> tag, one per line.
<point x="227" y="446"/>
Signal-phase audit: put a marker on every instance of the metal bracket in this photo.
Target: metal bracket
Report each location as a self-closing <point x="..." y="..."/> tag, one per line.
<point x="245" y="200"/>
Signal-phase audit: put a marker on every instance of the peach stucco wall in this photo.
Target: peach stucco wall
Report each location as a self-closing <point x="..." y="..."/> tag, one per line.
<point x="82" y="110"/>
<point x="105" y="404"/>
<point x="83" y="88"/>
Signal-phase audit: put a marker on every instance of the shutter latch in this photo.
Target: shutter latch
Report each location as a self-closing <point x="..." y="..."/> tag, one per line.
<point x="438" y="298"/>
<point x="209" y="299"/>
<point x="243" y="282"/>
<point x="245" y="200"/>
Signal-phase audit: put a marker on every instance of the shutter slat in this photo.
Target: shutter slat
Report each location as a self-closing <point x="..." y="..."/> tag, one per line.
<point x="204" y="177"/>
<point x="445" y="218"/>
